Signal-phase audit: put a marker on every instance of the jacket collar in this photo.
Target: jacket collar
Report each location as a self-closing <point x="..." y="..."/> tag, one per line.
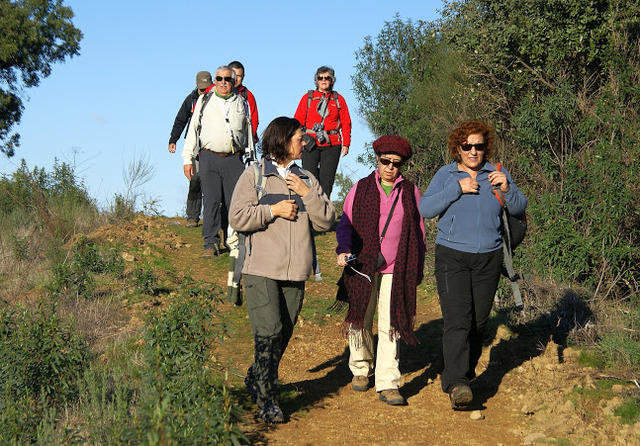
<point x="270" y="169"/>
<point x="486" y="167"/>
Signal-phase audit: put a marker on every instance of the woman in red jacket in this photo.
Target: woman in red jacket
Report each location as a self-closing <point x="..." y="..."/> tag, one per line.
<point x="325" y="117"/>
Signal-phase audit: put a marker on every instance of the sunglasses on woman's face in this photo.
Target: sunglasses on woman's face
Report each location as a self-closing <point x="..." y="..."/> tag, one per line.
<point x="396" y="164"/>
<point x="324" y="78"/>
<point x="481" y="147"/>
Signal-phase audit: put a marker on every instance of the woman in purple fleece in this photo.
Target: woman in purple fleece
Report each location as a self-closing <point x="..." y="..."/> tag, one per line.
<point x="382" y="228"/>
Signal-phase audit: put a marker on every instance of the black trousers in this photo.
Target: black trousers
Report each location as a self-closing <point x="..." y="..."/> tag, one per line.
<point x="218" y="177"/>
<point x="194" y="199"/>
<point x="322" y="162"/>
<point x="467" y="284"/>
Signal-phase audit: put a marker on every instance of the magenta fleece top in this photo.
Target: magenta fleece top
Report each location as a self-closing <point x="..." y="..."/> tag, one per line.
<point x="391" y="239"/>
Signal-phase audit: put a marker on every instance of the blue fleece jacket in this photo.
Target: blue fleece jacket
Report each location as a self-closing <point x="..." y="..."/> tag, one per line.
<point x="468" y="222"/>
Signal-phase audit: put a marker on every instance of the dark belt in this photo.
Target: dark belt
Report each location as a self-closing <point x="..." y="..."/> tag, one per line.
<point x="221" y="154"/>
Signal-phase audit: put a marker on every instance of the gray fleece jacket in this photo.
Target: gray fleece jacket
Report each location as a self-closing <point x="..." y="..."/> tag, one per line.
<point x="278" y="248"/>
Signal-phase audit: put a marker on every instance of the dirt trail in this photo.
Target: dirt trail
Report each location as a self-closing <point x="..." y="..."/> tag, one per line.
<point x="522" y="392"/>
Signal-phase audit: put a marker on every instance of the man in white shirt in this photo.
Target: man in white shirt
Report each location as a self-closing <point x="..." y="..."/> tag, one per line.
<point x="220" y="133"/>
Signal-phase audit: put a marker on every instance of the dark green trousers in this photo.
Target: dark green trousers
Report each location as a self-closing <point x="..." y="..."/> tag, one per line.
<point x="273" y="307"/>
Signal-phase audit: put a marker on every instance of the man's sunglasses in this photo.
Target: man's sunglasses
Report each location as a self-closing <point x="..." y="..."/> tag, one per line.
<point x="225" y="78"/>
<point x="479" y="147"/>
<point x="324" y="78"/>
<point x="396" y="164"/>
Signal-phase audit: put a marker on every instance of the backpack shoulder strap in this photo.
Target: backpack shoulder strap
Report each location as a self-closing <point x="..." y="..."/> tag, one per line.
<point x="334" y="96"/>
<point x="260" y="181"/>
<point x="205" y="101"/>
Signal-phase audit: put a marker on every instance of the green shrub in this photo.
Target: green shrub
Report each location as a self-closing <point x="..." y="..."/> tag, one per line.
<point x="40" y="354"/>
<point x="629" y="411"/>
<point x="145" y="281"/>
<point x="75" y="274"/>
<point x="185" y="403"/>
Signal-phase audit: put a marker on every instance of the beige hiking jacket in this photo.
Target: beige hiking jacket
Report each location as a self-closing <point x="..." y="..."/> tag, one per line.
<point x="279" y="249"/>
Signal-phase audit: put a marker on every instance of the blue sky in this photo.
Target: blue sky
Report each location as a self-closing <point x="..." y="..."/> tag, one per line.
<point x="117" y="100"/>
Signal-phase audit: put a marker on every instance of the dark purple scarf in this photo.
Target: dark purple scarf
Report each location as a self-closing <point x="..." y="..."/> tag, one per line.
<point x="409" y="262"/>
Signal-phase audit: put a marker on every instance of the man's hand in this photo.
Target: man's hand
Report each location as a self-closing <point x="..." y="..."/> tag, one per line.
<point x="172" y="147"/>
<point x="286" y="209"/>
<point x="188" y="171"/>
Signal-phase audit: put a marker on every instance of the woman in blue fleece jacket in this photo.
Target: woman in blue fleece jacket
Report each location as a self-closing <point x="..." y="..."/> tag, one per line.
<point x="468" y="256"/>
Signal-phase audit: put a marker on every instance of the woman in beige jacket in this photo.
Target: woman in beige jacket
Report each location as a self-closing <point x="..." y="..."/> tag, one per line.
<point x="277" y="216"/>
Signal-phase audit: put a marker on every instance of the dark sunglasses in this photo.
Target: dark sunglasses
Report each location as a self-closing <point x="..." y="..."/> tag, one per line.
<point x="324" y="78"/>
<point x="396" y="164"/>
<point x="226" y="79"/>
<point x="479" y="147"/>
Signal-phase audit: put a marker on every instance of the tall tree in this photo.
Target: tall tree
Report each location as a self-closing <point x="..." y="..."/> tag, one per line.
<point x="35" y="34"/>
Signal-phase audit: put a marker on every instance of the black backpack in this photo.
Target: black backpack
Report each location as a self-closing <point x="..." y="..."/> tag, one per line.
<point x="514" y="229"/>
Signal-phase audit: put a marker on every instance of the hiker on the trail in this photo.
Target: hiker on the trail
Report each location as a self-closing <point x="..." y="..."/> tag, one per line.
<point x="238" y="69"/>
<point x="325" y="116"/>
<point x="279" y="251"/>
<point x="468" y="253"/>
<point x="221" y="134"/>
<point x="382" y="228"/>
<point x="183" y="118"/>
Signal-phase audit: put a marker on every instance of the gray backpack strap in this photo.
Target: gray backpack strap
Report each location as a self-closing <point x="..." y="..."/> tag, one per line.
<point x="316" y="261"/>
<point x="205" y="101"/>
<point x="244" y="238"/>
<point x="508" y="263"/>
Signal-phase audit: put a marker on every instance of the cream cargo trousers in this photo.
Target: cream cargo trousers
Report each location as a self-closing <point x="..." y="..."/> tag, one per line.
<point x="361" y="350"/>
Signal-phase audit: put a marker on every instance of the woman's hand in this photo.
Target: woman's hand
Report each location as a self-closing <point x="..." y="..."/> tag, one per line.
<point x="286" y="209"/>
<point x="468" y="185"/>
<point x="499" y="178"/>
<point x="342" y="258"/>
<point x="296" y="184"/>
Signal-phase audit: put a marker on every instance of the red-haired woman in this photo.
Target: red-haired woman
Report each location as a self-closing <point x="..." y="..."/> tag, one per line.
<point x="468" y="257"/>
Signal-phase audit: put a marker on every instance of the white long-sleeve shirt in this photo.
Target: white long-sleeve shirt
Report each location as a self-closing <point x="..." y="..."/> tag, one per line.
<point x="224" y="127"/>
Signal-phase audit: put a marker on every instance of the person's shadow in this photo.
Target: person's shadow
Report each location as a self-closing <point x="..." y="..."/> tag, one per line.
<point x="530" y="340"/>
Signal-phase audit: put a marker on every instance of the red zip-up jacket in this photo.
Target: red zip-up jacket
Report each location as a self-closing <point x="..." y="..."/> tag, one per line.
<point x="308" y="118"/>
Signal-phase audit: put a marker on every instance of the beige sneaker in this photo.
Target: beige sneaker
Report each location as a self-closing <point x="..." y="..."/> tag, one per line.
<point x="360" y="383"/>
<point x="392" y="397"/>
<point x="192" y="223"/>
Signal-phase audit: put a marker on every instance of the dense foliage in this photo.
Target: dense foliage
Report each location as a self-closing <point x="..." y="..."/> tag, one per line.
<point x="35" y="35"/>
<point x="559" y="81"/>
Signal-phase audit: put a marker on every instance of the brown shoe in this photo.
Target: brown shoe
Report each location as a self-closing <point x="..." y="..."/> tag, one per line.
<point x="210" y="252"/>
<point x="192" y="223"/>
<point x="460" y="396"/>
<point x="392" y="397"/>
<point x="360" y="383"/>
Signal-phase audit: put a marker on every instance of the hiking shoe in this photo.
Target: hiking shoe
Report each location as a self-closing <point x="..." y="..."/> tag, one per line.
<point x="271" y="413"/>
<point x="251" y="387"/>
<point x="460" y="396"/>
<point x="360" y="383"/>
<point x="392" y="397"/>
<point x="191" y="223"/>
<point x="210" y="252"/>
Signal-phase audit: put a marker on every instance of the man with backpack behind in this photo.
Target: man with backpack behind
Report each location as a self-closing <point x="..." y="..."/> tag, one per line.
<point x="238" y="69"/>
<point x="182" y="120"/>
<point x="221" y="136"/>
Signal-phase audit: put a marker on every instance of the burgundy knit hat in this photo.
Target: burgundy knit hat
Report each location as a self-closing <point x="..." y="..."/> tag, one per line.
<point x="392" y="144"/>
